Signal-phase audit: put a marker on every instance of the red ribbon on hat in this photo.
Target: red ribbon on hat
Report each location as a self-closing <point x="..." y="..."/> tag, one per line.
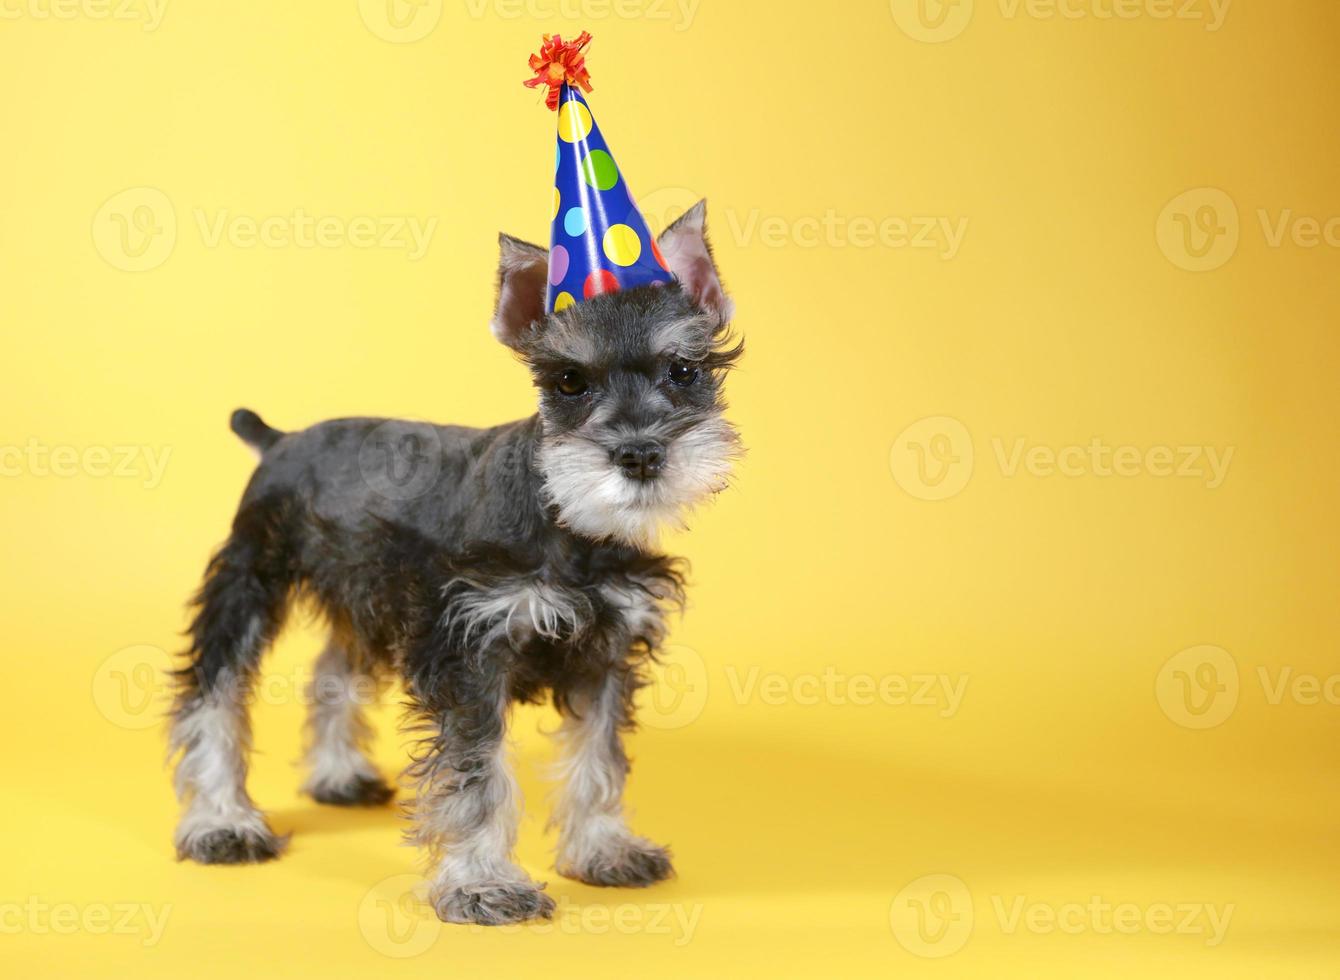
<point x="560" y="63"/>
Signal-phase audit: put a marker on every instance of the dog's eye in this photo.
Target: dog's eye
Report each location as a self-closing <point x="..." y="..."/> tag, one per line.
<point x="682" y="374"/>
<point x="571" y="382"/>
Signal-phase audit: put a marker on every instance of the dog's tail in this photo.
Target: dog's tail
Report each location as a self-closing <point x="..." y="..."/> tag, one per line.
<point x="251" y="428"/>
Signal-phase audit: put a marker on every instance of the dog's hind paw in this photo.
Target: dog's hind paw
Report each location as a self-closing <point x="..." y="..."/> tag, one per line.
<point x="493" y="903"/>
<point x="358" y="791"/>
<point x="228" y="845"/>
<point x="631" y="862"/>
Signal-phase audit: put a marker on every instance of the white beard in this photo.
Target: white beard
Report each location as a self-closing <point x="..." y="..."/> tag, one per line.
<point x="594" y="498"/>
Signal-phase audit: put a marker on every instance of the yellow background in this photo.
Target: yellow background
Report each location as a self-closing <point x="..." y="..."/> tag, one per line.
<point x="1068" y="314"/>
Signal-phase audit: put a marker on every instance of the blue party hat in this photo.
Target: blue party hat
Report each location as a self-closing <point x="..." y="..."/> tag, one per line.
<point x="600" y="242"/>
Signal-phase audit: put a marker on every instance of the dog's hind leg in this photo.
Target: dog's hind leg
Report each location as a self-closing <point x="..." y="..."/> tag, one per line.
<point x="239" y="610"/>
<point x="339" y="770"/>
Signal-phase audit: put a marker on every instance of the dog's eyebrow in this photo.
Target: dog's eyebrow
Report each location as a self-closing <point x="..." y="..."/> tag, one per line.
<point x="688" y="337"/>
<point x="564" y="341"/>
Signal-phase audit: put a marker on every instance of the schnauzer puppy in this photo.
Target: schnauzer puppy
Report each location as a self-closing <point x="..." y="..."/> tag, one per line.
<point x="486" y="566"/>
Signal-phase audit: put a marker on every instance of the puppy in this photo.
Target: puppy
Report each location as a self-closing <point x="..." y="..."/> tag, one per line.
<point x="486" y="566"/>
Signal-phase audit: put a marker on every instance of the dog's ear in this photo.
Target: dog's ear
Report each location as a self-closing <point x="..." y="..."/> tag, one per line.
<point x="523" y="276"/>
<point x="685" y="247"/>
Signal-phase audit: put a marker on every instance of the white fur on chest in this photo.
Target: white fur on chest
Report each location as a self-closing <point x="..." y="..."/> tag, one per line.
<point x="525" y="608"/>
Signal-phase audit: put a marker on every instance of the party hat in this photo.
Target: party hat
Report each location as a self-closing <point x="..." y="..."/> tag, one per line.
<point x="600" y="243"/>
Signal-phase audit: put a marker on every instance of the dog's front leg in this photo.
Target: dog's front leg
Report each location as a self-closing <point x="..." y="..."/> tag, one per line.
<point x="595" y="844"/>
<point x="467" y="811"/>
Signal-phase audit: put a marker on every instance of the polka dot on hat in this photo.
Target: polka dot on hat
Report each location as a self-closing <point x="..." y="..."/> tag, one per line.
<point x="600" y="281"/>
<point x="656" y="254"/>
<point x="622" y="245"/>
<point x="558" y="264"/>
<point x="599" y="171"/>
<point x="574" y="222"/>
<point x="574" y="122"/>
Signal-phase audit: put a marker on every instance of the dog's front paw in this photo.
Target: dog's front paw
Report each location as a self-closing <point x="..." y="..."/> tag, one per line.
<point x="625" y="862"/>
<point x="493" y="903"/>
<point x="230" y="845"/>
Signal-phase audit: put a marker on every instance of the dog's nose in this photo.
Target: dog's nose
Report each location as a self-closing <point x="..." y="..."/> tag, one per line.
<point x="640" y="460"/>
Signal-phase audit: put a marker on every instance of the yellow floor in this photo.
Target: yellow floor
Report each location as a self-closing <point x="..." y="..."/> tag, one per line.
<point x="802" y="834"/>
